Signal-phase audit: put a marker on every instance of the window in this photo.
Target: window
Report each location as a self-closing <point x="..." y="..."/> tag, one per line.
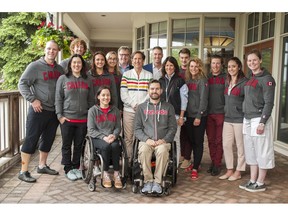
<point x="140" y="38"/>
<point x="158" y="34"/>
<point x="185" y="32"/>
<point x="283" y="109"/>
<point x="286" y="22"/>
<point x="260" y="26"/>
<point x="268" y="25"/>
<point x="219" y="36"/>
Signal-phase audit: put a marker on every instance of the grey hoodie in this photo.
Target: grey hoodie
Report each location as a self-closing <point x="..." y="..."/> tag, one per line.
<point x="259" y="96"/>
<point x="39" y="82"/>
<point x="74" y="97"/>
<point x="155" y="122"/>
<point x="101" y="124"/>
<point x="233" y="102"/>
<point x="197" y="98"/>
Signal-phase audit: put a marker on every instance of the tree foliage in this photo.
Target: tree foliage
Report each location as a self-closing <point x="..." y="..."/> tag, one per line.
<point x="15" y="36"/>
<point x="23" y="37"/>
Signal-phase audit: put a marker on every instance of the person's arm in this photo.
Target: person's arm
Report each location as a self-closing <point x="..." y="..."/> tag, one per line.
<point x="139" y="126"/>
<point x="126" y="99"/>
<point x="117" y="129"/>
<point x="113" y="90"/>
<point x="184" y="101"/>
<point x="92" y="129"/>
<point x="91" y="96"/>
<point x="59" y="97"/>
<point x="172" y="125"/>
<point x="204" y="91"/>
<point x="26" y="82"/>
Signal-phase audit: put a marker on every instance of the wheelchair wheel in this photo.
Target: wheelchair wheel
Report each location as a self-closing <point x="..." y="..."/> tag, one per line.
<point x="174" y="168"/>
<point x="167" y="191"/>
<point x="86" y="160"/>
<point x="91" y="186"/>
<point x="135" y="188"/>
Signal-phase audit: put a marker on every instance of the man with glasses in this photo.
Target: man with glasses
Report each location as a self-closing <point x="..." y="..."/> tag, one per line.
<point x="124" y="59"/>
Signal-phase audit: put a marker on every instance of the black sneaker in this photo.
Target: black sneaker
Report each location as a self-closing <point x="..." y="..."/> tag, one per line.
<point x="26" y="176"/>
<point x="210" y="168"/>
<point x="255" y="188"/>
<point x="215" y="171"/>
<point x="245" y="185"/>
<point x="47" y="170"/>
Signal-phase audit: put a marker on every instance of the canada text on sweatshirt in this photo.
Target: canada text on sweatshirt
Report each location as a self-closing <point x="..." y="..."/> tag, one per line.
<point x="102" y="124"/>
<point x="155" y="121"/>
<point x="39" y="82"/>
<point x="74" y="97"/>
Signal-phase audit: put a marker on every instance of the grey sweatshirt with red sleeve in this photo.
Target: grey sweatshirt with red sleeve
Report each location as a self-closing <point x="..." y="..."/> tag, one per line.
<point x="101" y="124"/>
<point x="233" y="102"/>
<point x="197" y="98"/>
<point x="155" y="121"/>
<point x="39" y="82"/>
<point x="259" y="96"/>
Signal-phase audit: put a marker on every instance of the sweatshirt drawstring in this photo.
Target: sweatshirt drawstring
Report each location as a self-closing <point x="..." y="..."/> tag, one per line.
<point x="159" y="112"/>
<point x="146" y="116"/>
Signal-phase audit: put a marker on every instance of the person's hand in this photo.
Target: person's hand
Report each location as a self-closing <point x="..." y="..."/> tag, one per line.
<point x="37" y="107"/>
<point x="159" y="142"/>
<point x="63" y="119"/>
<point x="111" y="138"/>
<point x="151" y="142"/>
<point x="196" y="122"/>
<point x="135" y="107"/>
<point x="260" y="128"/>
<point x="180" y="121"/>
<point x="106" y="139"/>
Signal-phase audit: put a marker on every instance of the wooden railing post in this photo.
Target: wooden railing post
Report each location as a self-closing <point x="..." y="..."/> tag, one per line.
<point x="14" y="139"/>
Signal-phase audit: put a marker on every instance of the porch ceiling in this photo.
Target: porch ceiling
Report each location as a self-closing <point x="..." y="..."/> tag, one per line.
<point x="101" y="29"/>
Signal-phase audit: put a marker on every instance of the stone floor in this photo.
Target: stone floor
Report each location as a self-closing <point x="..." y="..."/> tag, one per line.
<point x="206" y="190"/>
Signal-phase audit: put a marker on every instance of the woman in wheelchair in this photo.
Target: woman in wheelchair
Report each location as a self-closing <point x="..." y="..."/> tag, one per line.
<point x="104" y="128"/>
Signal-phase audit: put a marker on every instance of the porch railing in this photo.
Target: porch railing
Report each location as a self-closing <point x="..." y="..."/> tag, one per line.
<point x="13" y="112"/>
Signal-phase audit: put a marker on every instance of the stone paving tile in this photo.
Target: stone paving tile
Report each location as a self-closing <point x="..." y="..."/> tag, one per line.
<point x="206" y="190"/>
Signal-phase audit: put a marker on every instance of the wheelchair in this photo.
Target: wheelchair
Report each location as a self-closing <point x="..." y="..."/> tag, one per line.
<point x="169" y="177"/>
<point x="91" y="157"/>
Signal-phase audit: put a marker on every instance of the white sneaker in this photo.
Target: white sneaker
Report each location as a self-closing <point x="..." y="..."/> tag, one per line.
<point x="71" y="175"/>
<point x="78" y="173"/>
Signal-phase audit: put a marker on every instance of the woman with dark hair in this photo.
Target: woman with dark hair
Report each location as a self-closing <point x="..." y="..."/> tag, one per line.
<point x="74" y="96"/>
<point x="104" y="126"/>
<point x="233" y="120"/>
<point x="175" y="92"/>
<point x="257" y="125"/>
<point x="100" y="76"/>
<point x="197" y="83"/>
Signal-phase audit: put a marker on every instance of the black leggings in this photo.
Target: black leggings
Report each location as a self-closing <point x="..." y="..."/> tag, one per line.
<point x="108" y="152"/>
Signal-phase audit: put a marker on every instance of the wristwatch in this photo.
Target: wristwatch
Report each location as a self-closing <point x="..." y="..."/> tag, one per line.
<point x="262" y="124"/>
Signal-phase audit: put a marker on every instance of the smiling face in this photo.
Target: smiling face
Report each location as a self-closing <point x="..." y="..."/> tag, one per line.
<point x="99" y="61"/>
<point x="137" y="61"/>
<point x="79" y="49"/>
<point x="216" y="66"/>
<point x="112" y="60"/>
<point x="194" y="69"/>
<point x="76" y="65"/>
<point x="233" y="68"/>
<point x="157" y="56"/>
<point x="169" y="68"/>
<point x="254" y="63"/>
<point x="104" y="98"/>
<point x="155" y="91"/>
<point x="51" y="52"/>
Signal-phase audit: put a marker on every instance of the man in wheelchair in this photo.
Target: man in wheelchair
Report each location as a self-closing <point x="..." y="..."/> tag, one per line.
<point x="155" y="128"/>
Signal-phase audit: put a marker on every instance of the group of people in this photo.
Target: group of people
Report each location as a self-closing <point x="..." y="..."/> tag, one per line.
<point x="158" y="103"/>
